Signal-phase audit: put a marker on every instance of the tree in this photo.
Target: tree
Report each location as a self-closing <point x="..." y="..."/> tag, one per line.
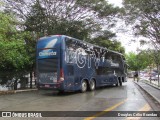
<point x="144" y="59"/>
<point x="138" y="61"/>
<point x="155" y="56"/>
<point x="79" y="19"/>
<point x="103" y="40"/>
<point x="132" y="61"/>
<point x="144" y="16"/>
<point x="14" y="59"/>
<point x="36" y="20"/>
<point x="75" y="18"/>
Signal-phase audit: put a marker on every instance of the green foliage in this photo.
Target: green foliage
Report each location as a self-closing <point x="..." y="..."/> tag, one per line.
<point x="14" y="56"/>
<point x="144" y="58"/>
<point x="154" y="56"/>
<point x="132" y="61"/>
<point x="103" y="40"/>
<point x="6" y="29"/>
<point x="139" y="61"/>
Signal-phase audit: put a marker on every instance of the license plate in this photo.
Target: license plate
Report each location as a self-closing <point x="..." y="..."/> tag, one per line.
<point x="47" y="86"/>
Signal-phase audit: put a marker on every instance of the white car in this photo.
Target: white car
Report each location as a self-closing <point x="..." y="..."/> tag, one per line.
<point x="154" y="77"/>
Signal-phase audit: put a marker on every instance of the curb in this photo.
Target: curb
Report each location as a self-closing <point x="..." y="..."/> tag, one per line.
<point x="156" y="99"/>
<point x="18" y="91"/>
<point x="7" y="92"/>
<point x="15" y="91"/>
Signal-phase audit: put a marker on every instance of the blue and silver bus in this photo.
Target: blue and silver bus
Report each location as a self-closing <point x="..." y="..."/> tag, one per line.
<point x="68" y="64"/>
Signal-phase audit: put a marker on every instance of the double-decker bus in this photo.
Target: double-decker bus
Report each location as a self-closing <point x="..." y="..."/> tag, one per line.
<point x="68" y="64"/>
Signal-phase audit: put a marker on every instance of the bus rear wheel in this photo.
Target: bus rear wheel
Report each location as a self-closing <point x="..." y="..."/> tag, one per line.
<point x="119" y="82"/>
<point x="83" y="86"/>
<point x="92" y="85"/>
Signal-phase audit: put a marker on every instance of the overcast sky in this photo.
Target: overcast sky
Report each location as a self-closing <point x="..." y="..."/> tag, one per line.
<point x="125" y="38"/>
<point x="116" y="2"/>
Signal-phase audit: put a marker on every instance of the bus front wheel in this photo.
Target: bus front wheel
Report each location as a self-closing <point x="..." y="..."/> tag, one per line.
<point x="83" y="86"/>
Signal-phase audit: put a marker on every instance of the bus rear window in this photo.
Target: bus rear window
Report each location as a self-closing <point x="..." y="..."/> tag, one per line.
<point x="47" y="65"/>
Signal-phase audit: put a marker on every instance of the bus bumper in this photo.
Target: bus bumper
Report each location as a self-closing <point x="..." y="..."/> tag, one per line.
<point x="50" y="86"/>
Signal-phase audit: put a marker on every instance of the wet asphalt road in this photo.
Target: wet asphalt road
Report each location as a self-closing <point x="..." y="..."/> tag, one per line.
<point x="110" y="98"/>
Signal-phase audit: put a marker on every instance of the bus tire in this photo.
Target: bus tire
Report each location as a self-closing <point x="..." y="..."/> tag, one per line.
<point x="92" y="85"/>
<point x="117" y="84"/>
<point x="120" y="82"/>
<point x="84" y="86"/>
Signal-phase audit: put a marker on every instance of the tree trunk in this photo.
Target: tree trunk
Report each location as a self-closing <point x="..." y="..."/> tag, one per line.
<point x="15" y="85"/>
<point x="150" y="73"/>
<point x="30" y="79"/>
<point x="158" y="68"/>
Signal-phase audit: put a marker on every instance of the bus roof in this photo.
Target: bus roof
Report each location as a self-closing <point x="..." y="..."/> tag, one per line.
<point x="81" y="41"/>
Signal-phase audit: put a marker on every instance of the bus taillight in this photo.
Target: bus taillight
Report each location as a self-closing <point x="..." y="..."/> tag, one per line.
<point x="61" y="75"/>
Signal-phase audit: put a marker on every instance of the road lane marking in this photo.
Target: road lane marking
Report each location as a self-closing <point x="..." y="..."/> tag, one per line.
<point x="146" y="107"/>
<point x="106" y="110"/>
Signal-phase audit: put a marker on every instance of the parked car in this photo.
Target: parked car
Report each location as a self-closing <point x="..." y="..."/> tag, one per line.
<point x="154" y="77"/>
<point x="130" y="74"/>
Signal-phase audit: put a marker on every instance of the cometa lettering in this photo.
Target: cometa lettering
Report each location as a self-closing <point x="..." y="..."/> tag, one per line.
<point x="47" y="53"/>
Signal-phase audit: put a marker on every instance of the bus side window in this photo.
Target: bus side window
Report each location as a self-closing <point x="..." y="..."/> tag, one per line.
<point x="100" y="70"/>
<point x="108" y="56"/>
<point x="115" y="58"/>
<point x="70" y="50"/>
<point x="104" y="71"/>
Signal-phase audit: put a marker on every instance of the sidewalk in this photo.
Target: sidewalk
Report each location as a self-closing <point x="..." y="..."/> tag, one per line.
<point x="16" y="91"/>
<point x="152" y="83"/>
<point x="153" y="91"/>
